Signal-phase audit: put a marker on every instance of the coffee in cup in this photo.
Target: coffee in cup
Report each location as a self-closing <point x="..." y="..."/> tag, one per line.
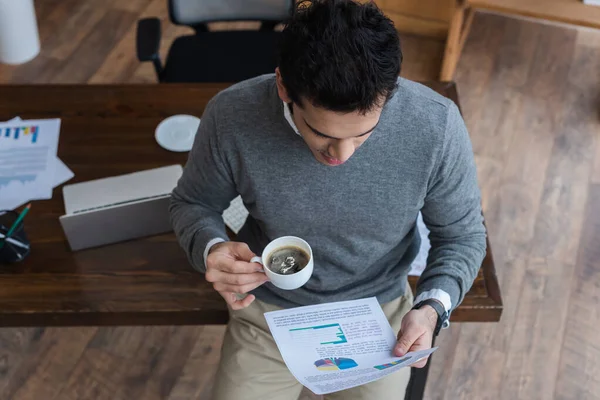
<point x="287" y="261"/>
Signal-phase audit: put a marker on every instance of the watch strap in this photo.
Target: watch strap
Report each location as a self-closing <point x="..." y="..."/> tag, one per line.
<point x="439" y="309"/>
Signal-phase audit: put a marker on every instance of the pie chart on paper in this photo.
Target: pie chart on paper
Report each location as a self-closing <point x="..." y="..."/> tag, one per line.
<point x="335" y="364"/>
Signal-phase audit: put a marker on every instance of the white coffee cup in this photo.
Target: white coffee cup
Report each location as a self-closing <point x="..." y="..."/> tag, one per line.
<point x="287" y="282"/>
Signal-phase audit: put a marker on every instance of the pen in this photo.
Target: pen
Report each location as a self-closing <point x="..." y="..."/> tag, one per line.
<point x="15" y="224"/>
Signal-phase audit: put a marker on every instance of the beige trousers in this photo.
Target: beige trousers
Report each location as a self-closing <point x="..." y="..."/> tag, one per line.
<point x="251" y="366"/>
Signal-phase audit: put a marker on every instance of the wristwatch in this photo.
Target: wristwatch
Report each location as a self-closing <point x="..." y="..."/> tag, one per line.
<point x="442" y="319"/>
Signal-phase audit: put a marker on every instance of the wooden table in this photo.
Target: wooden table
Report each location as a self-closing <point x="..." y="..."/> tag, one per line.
<point x="109" y="130"/>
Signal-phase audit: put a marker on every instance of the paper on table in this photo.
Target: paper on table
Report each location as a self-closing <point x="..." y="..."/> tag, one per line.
<point x="27" y="149"/>
<point x="62" y="173"/>
<point x="337" y="346"/>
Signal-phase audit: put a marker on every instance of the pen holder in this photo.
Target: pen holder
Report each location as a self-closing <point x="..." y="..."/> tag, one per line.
<point x="15" y="248"/>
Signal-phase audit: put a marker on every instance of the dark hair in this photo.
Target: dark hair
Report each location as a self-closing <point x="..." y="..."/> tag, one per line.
<point x="340" y="55"/>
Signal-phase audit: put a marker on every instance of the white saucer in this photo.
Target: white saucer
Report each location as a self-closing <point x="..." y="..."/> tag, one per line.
<point x="177" y="132"/>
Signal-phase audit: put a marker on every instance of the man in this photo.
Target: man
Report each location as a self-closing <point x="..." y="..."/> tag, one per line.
<point x="336" y="149"/>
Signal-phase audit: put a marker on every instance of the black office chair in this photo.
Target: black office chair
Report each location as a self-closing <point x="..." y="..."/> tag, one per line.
<point x="218" y="56"/>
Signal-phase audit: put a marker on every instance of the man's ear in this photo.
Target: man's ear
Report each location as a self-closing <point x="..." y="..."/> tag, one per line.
<point x="281" y="90"/>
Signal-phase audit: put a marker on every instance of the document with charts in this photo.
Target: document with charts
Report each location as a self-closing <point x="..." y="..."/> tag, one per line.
<point x="336" y="346"/>
<point x="27" y="160"/>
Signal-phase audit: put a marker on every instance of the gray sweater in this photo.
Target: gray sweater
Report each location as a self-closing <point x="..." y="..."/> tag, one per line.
<point x="359" y="217"/>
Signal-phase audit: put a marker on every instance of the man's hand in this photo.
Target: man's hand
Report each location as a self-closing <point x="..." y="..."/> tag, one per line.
<point x="416" y="332"/>
<point x="229" y="269"/>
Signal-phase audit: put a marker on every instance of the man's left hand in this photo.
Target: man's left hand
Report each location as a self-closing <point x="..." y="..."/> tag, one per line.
<point x="416" y="332"/>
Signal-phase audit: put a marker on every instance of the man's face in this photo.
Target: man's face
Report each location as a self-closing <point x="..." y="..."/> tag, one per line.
<point x="332" y="137"/>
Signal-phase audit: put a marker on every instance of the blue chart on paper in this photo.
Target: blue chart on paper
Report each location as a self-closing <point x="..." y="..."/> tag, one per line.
<point x="335" y="363"/>
<point x="4" y="181"/>
<point x="319" y="334"/>
<point x="21" y="165"/>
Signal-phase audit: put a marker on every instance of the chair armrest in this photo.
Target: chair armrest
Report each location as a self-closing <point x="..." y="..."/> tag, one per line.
<point x="148" y="42"/>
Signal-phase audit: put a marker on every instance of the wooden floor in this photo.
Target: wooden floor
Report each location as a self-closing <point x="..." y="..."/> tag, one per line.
<point x="530" y="94"/>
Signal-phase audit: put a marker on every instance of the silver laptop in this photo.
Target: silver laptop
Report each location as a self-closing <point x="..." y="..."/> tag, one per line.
<point x="119" y="208"/>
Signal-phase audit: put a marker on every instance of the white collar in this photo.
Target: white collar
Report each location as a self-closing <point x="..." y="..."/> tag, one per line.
<point x="288" y="117"/>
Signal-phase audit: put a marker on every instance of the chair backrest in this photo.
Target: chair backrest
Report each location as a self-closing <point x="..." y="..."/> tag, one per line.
<point x="198" y="12"/>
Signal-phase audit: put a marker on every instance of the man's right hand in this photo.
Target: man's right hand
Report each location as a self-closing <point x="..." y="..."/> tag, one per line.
<point x="229" y="269"/>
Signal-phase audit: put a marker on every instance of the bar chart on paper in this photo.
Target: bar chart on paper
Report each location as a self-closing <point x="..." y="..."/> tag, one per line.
<point x="27" y="160"/>
<point x="319" y="335"/>
<point x="4" y="181"/>
<point x="23" y="164"/>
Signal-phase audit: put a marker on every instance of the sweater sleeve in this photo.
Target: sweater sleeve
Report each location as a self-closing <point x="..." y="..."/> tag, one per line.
<point x="452" y="213"/>
<point x="203" y="192"/>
